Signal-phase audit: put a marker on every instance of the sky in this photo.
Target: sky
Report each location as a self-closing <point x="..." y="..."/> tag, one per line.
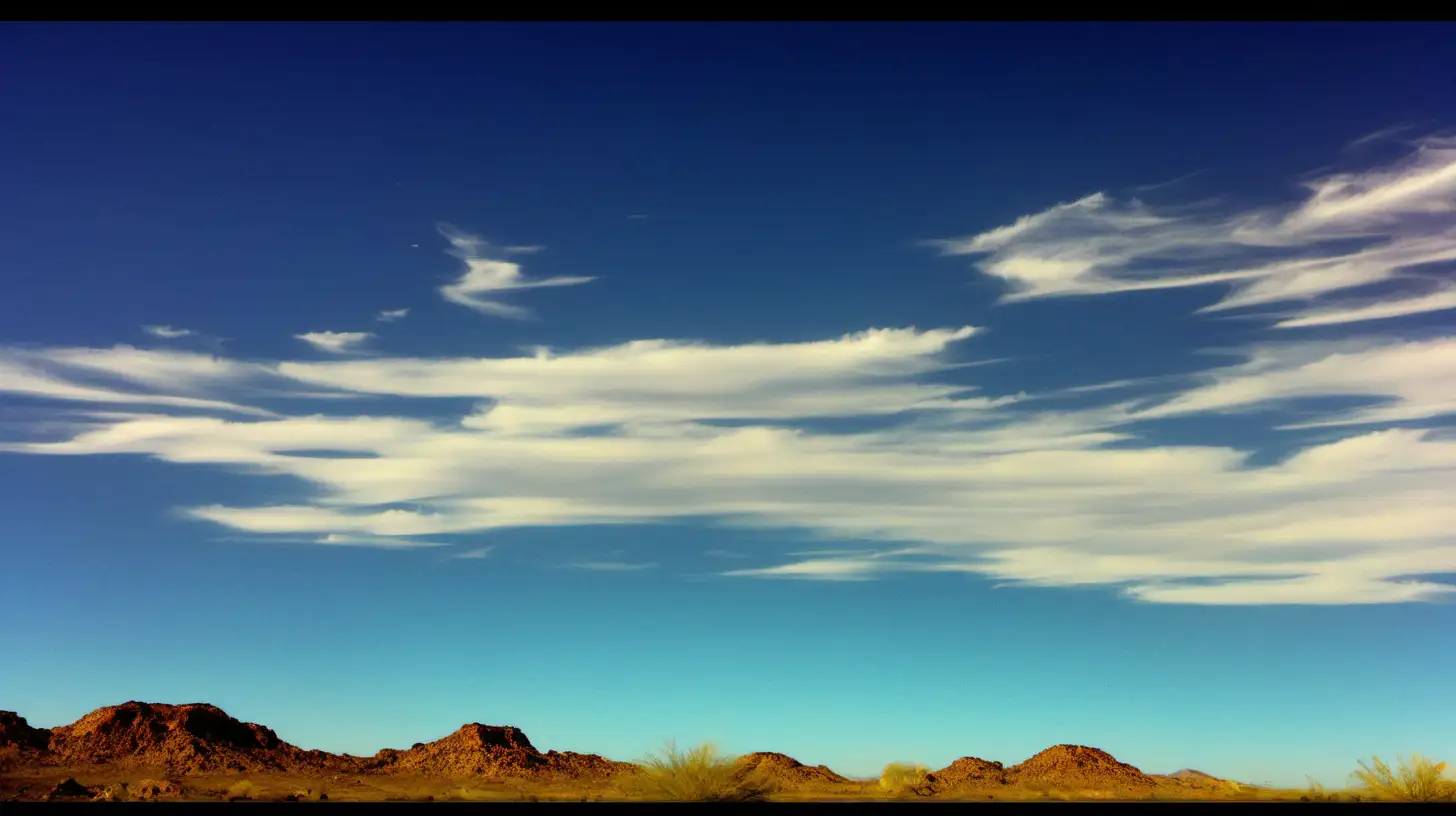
<point x="862" y="392"/>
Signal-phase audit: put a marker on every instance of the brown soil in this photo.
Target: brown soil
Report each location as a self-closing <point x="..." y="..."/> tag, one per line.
<point x="785" y="769"/>
<point x="149" y="789"/>
<point x="1077" y="766"/>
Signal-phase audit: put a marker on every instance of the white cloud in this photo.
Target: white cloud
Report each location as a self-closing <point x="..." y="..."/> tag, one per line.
<point x="998" y="490"/>
<point x="474" y="554"/>
<point x="335" y="342"/>
<point x="484" y="276"/>
<point x="51" y="374"/>
<point x="824" y="569"/>
<point x="391" y="315"/>
<point x="376" y="542"/>
<point x="1314" y="589"/>
<point x="167" y="332"/>
<point x="1438" y="301"/>
<point x="1350" y="230"/>
<point x="1414" y="380"/>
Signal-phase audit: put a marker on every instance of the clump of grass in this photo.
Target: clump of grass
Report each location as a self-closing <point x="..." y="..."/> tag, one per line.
<point x="698" y="774"/>
<point x="1417" y="780"/>
<point x="901" y="778"/>
<point x="242" y="790"/>
<point x="9" y="757"/>
<point x="1317" y="793"/>
<point x="115" y="792"/>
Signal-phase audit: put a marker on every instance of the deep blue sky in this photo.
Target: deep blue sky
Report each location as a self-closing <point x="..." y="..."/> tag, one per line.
<point x="251" y="183"/>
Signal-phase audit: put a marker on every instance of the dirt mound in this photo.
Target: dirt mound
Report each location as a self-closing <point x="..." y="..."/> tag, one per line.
<point x="585" y="766"/>
<point x="1190" y="775"/>
<point x="190" y="738"/>
<point x="1189" y="778"/>
<point x="14" y="730"/>
<point x="968" y="771"/>
<point x="491" y="751"/>
<point x="71" y="789"/>
<point x="1077" y="766"/>
<point x="784" y="768"/>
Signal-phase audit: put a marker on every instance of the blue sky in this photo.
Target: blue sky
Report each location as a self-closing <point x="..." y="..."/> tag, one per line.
<point x="862" y="392"/>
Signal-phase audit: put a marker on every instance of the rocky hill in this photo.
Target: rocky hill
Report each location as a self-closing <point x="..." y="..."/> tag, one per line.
<point x="492" y="751"/>
<point x="1077" y="766"/>
<point x="785" y="769"/>
<point x="190" y="738"/>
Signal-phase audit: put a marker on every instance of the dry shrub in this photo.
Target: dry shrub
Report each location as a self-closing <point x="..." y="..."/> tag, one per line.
<point x="115" y="792"/>
<point x="1418" y="780"/>
<point x="243" y="790"/>
<point x="902" y="778"/>
<point x="698" y="774"/>
<point x="9" y="757"/>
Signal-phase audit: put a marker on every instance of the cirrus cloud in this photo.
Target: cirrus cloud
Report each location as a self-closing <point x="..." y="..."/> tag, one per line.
<point x="484" y="276"/>
<point x="1380" y="226"/>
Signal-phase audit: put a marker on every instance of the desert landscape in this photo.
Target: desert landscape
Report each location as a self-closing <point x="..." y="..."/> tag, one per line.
<point x="779" y="411"/>
<point x="140" y="751"/>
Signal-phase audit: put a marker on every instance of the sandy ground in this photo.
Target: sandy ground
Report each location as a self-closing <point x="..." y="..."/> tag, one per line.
<point x="34" y="783"/>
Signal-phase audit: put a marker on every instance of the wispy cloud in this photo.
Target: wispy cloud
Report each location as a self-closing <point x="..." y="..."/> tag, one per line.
<point x="999" y="490"/>
<point x="484" y="276"/>
<point x="612" y="566"/>
<point x="391" y="315"/>
<point x="167" y="332"/>
<point x="1355" y="509"/>
<point x="1382" y="135"/>
<point x="1350" y="230"/>
<point x="821" y="569"/>
<point x="335" y="342"/>
<point x="376" y="542"/>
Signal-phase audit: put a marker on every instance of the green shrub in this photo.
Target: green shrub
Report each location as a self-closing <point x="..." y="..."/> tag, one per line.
<point x="1419" y="780"/>
<point x="698" y="774"/>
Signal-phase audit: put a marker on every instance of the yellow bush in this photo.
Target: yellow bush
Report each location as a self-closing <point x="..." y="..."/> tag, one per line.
<point x="698" y="774"/>
<point x="243" y="790"/>
<point x="1419" y="780"/>
<point x="900" y="778"/>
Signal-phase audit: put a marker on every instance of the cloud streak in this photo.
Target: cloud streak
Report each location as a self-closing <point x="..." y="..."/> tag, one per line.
<point x="335" y="342"/>
<point x="1350" y="231"/>
<point x="483" y="277"/>
<point x="167" y="332"/>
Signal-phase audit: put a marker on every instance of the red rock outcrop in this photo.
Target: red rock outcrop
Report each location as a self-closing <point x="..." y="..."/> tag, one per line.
<point x="1077" y="766"/>
<point x="968" y="771"/>
<point x="190" y="738"/>
<point x="492" y="751"/>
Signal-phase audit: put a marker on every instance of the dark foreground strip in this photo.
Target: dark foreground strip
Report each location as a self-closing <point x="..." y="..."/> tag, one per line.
<point x="1143" y="807"/>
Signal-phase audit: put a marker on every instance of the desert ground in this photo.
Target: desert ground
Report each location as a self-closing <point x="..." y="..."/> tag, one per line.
<point x="196" y="752"/>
